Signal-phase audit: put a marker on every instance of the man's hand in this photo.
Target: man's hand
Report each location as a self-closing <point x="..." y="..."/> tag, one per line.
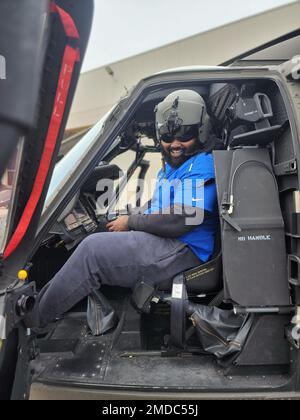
<point x="119" y="225"/>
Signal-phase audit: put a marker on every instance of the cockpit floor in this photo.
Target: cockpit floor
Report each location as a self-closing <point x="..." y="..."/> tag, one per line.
<point x="70" y="356"/>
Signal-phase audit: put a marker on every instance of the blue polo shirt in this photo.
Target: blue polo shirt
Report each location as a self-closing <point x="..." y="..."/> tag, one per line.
<point x="188" y="186"/>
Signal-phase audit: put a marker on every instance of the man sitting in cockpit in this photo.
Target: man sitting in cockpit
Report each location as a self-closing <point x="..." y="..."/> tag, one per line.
<point x="175" y="233"/>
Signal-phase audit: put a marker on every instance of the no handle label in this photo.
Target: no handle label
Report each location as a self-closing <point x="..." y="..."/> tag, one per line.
<point x="255" y="238"/>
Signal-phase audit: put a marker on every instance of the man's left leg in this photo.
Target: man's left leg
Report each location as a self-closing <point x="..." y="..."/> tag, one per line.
<point x="116" y="259"/>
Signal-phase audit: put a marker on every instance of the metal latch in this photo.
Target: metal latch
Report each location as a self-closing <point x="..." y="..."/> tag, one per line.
<point x="226" y="211"/>
<point x="291" y="69"/>
<point x="293" y="331"/>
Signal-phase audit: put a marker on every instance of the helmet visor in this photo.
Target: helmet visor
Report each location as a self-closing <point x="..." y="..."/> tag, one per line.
<point x="184" y="134"/>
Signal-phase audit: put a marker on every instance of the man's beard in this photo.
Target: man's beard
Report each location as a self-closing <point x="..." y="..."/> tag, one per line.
<point x="187" y="153"/>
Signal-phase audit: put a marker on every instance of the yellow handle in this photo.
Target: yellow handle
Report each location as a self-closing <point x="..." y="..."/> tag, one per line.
<point x="22" y="275"/>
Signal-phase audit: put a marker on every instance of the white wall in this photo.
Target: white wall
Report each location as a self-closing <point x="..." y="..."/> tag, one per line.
<point x="97" y="91"/>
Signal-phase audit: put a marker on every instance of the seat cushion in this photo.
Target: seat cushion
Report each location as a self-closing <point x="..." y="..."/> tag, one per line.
<point x="206" y="278"/>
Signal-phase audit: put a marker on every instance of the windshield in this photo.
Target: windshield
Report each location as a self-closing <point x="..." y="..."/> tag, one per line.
<point x="7" y="189"/>
<point x="67" y="166"/>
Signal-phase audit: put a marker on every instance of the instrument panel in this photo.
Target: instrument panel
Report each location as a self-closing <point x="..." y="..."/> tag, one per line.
<point x="79" y="217"/>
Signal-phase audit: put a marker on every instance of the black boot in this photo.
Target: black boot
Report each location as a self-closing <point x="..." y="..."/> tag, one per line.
<point x="101" y="317"/>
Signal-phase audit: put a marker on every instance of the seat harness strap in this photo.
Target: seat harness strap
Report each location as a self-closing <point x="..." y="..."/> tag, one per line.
<point x="70" y="57"/>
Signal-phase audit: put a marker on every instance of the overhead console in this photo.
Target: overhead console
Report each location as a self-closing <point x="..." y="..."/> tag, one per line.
<point x="248" y="119"/>
<point x="248" y="114"/>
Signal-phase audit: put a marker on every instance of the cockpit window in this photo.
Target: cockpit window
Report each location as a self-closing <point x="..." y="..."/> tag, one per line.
<point x="8" y="185"/>
<point x="70" y="164"/>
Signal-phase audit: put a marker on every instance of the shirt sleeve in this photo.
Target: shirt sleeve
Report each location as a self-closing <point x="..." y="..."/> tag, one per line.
<point x="164" y="225"/>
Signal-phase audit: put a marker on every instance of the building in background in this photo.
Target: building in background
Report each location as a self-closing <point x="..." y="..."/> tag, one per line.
<point x="100" y="89"/>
